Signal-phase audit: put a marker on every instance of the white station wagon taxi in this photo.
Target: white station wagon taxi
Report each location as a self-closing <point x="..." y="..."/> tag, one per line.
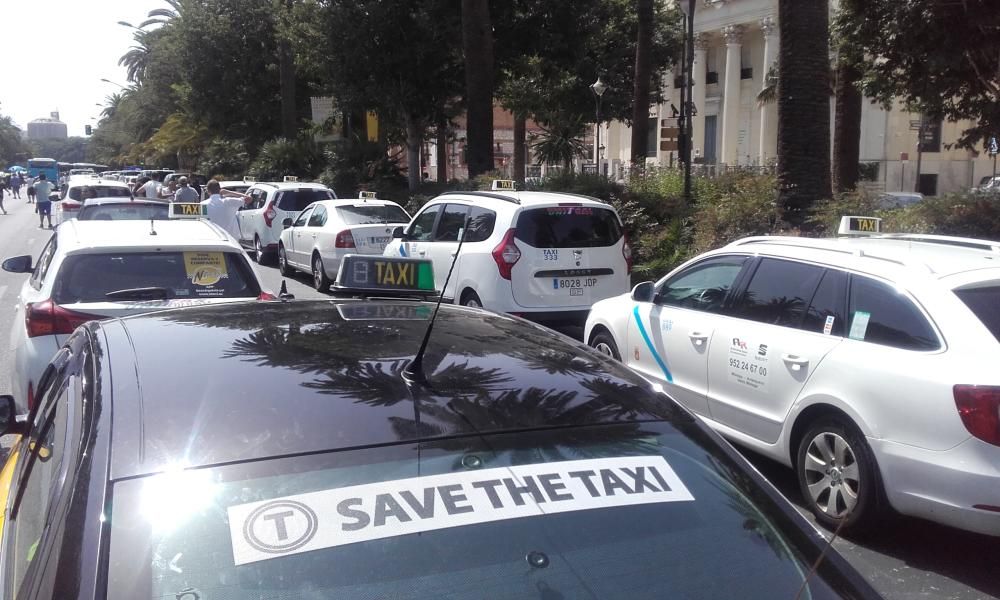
<point x="869" y="364"/>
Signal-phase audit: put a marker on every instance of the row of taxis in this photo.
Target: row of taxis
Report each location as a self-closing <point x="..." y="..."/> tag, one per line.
<point x="379" y="447"/>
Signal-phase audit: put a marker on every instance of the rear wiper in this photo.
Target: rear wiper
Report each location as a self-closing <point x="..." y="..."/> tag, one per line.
<point x="145" y="293"/>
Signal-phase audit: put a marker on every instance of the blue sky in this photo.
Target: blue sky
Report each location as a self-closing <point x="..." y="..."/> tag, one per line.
<point x="60" y="66"/>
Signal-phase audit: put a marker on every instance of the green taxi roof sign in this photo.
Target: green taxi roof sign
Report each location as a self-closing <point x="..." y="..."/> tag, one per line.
<point x="504" y="185"/>
<point x="859" y="226"/>
<point x="385" y="275"/>
<point x="187" y="210"/>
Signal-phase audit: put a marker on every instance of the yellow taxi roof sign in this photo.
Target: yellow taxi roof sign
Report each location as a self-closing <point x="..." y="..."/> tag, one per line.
<point x="853" y="225"/>
<point x="506" y="185"/>
<point x="365" y="195"/>
<point x="187" y="210"/>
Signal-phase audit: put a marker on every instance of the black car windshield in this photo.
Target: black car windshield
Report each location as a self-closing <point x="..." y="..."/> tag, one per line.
<point x="568" y="227"/>
<point x="372" y="214"/>
<point x="80" y="193"/>
<point x="125" y="211"/>
<point x="626" y="511"/>
<point x="185" y="275"/>
<point x="297" y="200"/>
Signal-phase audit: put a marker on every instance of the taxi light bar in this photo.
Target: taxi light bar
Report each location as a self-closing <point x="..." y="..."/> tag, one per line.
<point x="384" y="275"/>
<point x="855" y="226"/>
<point x="364" y="195"/>
<point x="505" y="185"/>
<point x="187" y="210"/>
<point x="290" y="179"/>
<point x="250" y="179"/>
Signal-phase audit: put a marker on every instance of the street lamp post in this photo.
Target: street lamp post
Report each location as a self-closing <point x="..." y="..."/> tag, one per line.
<point x="598" y="87"/>
<point x="113" y="83"/>
<point x="687" y="97"/>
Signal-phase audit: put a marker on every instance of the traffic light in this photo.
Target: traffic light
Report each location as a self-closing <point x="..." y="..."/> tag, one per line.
<point x="88" y="129"/>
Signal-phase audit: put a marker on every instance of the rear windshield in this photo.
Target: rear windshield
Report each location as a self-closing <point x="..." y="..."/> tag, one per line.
<point x="372" y="214"/>
<point x="79" y="193"/>
<point x="126" y="211"/>
<point x="615" y="512"/>
<point x="296" y="200"/>
<point x="184" y="275"/>
<point x="568" y="227"/>
<point x="985" y="303"/>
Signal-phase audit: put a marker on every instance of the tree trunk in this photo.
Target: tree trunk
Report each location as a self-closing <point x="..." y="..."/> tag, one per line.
<point x="477" y="43"/>
<point x="442" y="152"/>
<point x="414" y="140"/>
<point x="640" y="96"/>
<point x="520" y="146"/>
<point x="847" y="127"/>
<point x="803" y="106"/>
<point x="286" y="81"/>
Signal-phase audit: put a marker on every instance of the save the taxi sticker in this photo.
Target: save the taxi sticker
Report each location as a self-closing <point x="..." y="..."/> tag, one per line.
<point x="360" y="513"/>
<point x="205" y="268"/>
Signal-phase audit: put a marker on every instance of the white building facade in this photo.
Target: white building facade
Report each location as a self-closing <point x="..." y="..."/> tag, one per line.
<point x="736" y="41"/>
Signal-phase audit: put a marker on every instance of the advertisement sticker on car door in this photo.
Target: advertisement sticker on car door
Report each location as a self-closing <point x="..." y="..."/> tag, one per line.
<point x="748" y="363"/>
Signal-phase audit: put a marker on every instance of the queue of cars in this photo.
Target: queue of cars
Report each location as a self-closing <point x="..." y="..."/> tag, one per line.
<point x="827" y="355"/>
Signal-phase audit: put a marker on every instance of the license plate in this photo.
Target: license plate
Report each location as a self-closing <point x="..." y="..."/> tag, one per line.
<point x="379" y="241"/>
<point x="574" y="285"/>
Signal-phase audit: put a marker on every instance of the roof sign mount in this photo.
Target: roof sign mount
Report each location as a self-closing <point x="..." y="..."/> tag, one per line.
<point x="857" y="226"/>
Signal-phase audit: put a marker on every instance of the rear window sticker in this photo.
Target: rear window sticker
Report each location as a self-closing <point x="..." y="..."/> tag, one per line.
<point x="859" y="325"/>
<point x="828" y="326"/>
<point x="205" y="268"/>
<point x="338" y="517"/>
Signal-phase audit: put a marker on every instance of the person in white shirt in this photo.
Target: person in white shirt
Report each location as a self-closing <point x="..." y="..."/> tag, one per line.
<point x="222" y="210"/>
<point x="150" y="189"/>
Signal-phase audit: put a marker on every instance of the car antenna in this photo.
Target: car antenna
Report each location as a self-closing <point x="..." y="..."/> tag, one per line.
<point x="820" y="559"/>
<point x="152" y="227"/>
<point x="414" y="371"/>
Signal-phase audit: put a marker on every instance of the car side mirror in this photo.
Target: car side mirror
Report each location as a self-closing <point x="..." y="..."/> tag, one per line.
<point x="286" y="223"/>
<point x="18" y="264"/>
<point x="643" y="292"/>
<point x="397" y="233"/>
<point x="9" y="423"/>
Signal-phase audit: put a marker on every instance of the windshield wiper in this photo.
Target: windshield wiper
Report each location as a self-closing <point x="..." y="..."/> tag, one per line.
<point x="145" y="293"/>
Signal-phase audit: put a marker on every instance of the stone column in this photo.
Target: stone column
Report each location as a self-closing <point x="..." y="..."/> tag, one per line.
<point x="701" y="41"/>
<point x="768" y="112"/>
<point x="731" y="95"/>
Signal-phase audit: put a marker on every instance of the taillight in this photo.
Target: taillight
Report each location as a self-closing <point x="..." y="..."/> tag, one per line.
<point x="979" y="407"/>
<point x="267" y="296"/>
<point x="31" y="396"/>
<point x="269" y="213"/>
<point x="48" y="318"/>
<point x="506" y="254"/>
<point x="627" y="253"/>
<point x="344" y="239"/>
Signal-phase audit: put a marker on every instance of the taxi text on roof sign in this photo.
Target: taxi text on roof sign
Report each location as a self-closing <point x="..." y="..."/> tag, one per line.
<point x="187" y="210"/>
<point x="503" y="185"/>
<point x="366" y="195"/>
<point x="859" y="226"/>
<point x="380" y="274"/>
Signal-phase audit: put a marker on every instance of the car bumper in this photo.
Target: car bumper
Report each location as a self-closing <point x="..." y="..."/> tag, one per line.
<point x="944" y="486"/>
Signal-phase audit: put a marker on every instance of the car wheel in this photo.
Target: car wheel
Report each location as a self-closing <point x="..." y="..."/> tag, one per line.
<point x="605" y="344"/>
<point x="320" y="281"/>
<point x="837" y="475"/>
<point x="283" y="267"/>
<point x="471" y="299"/>
<point x="258" y="250"/>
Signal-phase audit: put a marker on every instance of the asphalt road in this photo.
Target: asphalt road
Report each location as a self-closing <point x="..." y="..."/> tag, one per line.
<point x="906" y="559"/>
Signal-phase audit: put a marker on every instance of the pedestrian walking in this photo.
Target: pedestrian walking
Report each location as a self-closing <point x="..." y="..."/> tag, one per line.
<point x="185" y="193"/>
<point x="2" y="192"/>
<point x="150" y="189"/>
<point x="15" y="186"/>
<point x="222" y="211"/>
<point x="31" y="190"/>
<point x="167" y="192"/>
<point x="43" y="204"/>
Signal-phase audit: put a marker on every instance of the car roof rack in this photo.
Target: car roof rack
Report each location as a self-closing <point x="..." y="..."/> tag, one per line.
<point x="943" y="240"/>
<point x="810" y="244"/>
<point x="510" y="199"/>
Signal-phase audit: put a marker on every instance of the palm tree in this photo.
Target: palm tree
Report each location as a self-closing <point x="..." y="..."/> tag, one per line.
<point x="803" y="106"/>
<point x="560" y="141"/>
<point x="162" y="16"/>
<point x="769" y="93"/>
<point x="477" y="43"/>
<point x="136" y="59"/>
<point x="640" y="95"/>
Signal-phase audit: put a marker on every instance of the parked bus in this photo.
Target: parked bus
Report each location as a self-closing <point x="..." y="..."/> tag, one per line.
<point x="49" y="166"/>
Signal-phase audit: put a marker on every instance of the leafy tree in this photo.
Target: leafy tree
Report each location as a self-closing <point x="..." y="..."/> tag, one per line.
<point x="847" y="94"/>
<point x="560" y="140"/>
<point x="940" y="58"/>
<point x="477" y="45"/>
<point x="803" y="106"/>
<point x="12" y="145"/>
<point x="71" y="149"/>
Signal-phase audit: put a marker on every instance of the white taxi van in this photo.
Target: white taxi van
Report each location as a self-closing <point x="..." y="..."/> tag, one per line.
<point x="542" y="255"/>
<point x="102" y="269"/>
<point x="866" y="363"/>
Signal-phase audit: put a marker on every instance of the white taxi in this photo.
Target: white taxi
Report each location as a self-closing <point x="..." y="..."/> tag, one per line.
<point x="324" y="232"/>
<point x="81" y="188"/>
<point x="271" y="203"/>
<point x="100" y="269"/>
<point x="542" y="255"/>
<point x="868" y="364"/>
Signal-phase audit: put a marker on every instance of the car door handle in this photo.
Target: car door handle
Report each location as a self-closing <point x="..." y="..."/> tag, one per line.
<point x="797" y="362"/>
<point x="698" y="337"/>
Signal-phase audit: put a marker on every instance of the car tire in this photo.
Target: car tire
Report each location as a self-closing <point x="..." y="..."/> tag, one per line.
<point x="259" y="254"/>
<point x="471" y="299"/>
<point x="283" y="267"/>
<point x="320" y="281"/>
<point x="838" y="475"/>
<point x="605" y="344"/>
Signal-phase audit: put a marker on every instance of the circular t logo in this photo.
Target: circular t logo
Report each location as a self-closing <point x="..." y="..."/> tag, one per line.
<point x="280" y="526"/>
